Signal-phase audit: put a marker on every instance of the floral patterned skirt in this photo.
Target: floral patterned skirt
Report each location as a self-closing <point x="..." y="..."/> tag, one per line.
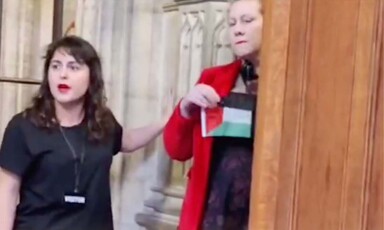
<point x="227" y="205"/>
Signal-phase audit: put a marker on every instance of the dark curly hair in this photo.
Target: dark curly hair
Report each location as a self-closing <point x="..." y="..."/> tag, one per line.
<point x="100" y="120"/>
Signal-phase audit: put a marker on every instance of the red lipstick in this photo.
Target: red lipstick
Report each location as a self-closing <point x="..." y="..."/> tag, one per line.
<point x="63" y="88"/>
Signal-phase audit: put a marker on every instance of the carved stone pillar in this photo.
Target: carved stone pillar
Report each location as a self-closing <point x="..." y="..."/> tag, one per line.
<point x="193" y="37"/>
<point x="95" y="22"/>
<point x="125" y="34"/>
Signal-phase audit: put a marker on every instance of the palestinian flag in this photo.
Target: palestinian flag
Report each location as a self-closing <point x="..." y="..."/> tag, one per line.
<point x="234" y="117"/>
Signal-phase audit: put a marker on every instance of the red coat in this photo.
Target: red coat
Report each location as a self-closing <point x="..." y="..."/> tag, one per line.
<point x="183" y="140"/>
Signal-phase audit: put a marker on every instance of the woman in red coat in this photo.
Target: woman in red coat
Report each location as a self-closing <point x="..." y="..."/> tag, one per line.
<point x="218" y="190"/>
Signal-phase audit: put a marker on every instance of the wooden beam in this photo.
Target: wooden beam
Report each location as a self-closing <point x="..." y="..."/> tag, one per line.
<point x="57" y="30"/>
<point x="26" y="81"/>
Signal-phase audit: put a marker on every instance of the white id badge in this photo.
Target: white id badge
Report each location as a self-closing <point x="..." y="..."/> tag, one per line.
<point x="74" y="199"/>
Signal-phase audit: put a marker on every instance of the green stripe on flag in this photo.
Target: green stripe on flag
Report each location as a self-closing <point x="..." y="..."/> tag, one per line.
<point x="232" y="129"/>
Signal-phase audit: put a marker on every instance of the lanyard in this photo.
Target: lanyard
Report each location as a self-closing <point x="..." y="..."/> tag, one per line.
<point x="79" y="159"/>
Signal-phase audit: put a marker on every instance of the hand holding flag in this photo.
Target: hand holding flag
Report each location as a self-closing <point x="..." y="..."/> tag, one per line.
<point x="201" y="96"/>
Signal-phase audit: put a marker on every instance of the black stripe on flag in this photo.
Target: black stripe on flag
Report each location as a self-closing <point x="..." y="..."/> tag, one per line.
<point x="239" y="101"/>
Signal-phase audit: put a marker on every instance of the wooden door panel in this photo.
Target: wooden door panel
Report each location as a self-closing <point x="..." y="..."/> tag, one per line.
<point x="318" y="163"/>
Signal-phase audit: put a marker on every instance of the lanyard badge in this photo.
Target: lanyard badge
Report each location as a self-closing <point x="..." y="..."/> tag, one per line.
<point x="75" y="198"/>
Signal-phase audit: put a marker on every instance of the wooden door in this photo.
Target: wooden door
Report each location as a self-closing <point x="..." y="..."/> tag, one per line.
<point x="319" y="139"/>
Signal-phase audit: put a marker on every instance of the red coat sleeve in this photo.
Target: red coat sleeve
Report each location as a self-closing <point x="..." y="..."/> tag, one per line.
<point x="178" y="132"/>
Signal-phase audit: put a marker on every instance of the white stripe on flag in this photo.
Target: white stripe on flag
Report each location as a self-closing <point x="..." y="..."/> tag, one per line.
<point x="233" y="115"/>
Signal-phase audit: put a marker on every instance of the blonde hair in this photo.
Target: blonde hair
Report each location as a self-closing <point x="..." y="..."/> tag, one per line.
<point x="260" y="1"/>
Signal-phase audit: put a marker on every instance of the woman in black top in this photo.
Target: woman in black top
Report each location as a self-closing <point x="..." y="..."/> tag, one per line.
<point x="56" y="155"/>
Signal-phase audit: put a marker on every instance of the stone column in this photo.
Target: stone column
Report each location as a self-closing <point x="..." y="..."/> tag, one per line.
<point x="88" y="16"/>
<point x="169" y="42"/>
<point x="42" y="35"/>
<point x="142" y="105"/>
<point x="122" y="32"/>
<point x="94" y="22"/>
<point x="193" y="38"/>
